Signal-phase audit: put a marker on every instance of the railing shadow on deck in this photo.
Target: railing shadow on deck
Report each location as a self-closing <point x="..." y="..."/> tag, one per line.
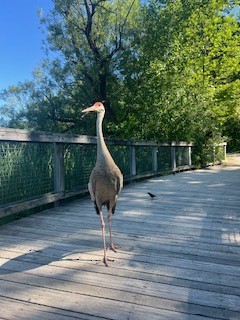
<point x="219" y="226"/>
<point x="195" y="249"/>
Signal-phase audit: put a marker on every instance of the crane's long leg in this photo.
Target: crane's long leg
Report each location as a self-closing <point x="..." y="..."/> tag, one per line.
<point x="103" y="237"/>
<point x="109" y="217"/>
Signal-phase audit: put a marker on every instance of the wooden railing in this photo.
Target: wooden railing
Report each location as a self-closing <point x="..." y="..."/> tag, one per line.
<point x="53" y="158"/>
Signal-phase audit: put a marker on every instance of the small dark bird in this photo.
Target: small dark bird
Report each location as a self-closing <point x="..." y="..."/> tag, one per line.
<point x="151" y="195"/>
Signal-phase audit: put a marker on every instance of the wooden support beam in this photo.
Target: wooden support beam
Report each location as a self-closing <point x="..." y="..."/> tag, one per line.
<point x="154" y="159"/>
<point x="133" y="169"/>
<point x="173" y="158"/>
<point x="59" y="171"/>
<point x="190" y="156"/>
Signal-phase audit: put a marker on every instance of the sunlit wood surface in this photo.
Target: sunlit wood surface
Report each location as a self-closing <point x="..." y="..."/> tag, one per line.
<point x="178" y="255"/>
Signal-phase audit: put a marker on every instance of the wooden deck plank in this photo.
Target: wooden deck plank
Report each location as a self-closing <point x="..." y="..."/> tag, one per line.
<point x="155" y="296"/>
<point x="199" y="280"/>
<point x="17" y="309"/>
<point x="154" y="258"/>
<point x="164" y="243"/>
<point x="140" y="240"/>
<point x="229" y="276"/>
<point x="138" y="245"/>
<point x="179" y="255"/>
<point x="119" y="284"/>
<point x="108" y="280"/>
<point x="167" y="234"/>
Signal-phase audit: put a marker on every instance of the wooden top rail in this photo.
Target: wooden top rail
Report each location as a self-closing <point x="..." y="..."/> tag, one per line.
<point x="18" y="135"/>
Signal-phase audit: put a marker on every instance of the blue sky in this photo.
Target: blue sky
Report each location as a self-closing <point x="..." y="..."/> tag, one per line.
<point x="20" y="39"/>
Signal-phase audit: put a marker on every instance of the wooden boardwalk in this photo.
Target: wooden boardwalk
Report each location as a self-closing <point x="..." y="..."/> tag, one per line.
<point x="179" y="255"/>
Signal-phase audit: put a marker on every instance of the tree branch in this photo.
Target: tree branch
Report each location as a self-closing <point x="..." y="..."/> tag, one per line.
<point x="118" y="41"/>
<point x="88" y="28"/>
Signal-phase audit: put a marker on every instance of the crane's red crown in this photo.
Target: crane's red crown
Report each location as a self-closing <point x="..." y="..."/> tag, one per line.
<point x="98" y="104"/>
<point x="97" y="107"/>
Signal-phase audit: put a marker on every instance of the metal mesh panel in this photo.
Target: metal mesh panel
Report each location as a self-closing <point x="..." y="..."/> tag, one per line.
<point x="164" y="159"/>
<point x="202" y="155"/>
<point x="182" y="155"/>
<point x="143" y="159"/>
<point x="26" y="170"/>
<point x="79" y="161"/>
<point x="121" y="155"/>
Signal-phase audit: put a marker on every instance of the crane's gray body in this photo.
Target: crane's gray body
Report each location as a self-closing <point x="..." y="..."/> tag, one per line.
<point x="106" y="179"/>
<point x="104" y="186"/>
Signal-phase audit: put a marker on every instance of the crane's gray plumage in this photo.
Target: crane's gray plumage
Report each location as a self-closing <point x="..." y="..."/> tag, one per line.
<point x="106" y="180"/>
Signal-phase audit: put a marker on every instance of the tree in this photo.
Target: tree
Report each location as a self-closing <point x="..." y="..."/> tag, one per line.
<point x="167" y="70"/>
<point x="89" y="36"/>
<point x="83" y="46"/>
<point x="188" y="63"/>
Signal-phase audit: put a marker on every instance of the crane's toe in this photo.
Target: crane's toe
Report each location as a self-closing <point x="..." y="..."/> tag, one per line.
<point x="113" y="247"/>
<point x="105" y="261"/>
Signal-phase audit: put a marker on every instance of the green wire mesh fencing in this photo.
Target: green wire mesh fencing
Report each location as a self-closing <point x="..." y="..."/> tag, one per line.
<point x="144" y="161"/>
<point x="51" y="167"/>
<point x="182" y="156"/>
<point x="121" y="156"/>
<point x="164" y="159"/>
<point x="78" y="162"/>
<point x="26" y="170"/>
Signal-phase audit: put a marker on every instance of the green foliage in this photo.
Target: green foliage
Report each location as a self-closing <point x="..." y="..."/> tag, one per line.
<point x="167" y="70"/>
<point x="188" y="76"/>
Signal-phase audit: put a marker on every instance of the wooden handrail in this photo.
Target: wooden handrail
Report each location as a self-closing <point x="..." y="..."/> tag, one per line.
<point x="19" y="135"/>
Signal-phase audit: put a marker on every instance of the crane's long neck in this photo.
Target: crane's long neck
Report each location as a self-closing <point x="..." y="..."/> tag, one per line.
<point x="103" y="155"/>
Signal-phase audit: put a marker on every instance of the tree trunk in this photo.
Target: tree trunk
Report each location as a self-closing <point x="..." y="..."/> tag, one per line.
<point x="103" y="78"/>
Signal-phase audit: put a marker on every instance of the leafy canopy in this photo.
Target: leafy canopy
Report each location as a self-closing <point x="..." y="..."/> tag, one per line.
<point x="167" y="70"/>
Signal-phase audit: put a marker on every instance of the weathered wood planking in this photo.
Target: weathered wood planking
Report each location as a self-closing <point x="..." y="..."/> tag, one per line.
<point x="178" y="256"/>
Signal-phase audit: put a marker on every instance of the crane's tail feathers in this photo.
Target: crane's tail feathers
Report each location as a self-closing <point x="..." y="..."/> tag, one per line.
<point x="107" y="204"/>
<point x="96" y="207"/>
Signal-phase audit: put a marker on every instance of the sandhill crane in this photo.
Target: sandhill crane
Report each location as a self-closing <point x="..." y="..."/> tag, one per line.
<point x="106" y="180"/>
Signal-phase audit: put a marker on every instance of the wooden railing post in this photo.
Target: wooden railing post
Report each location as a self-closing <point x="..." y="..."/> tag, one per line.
<point x="59" y="171"/>
<point x="190" y="156"/>
<point x="173" y="158"/>
<point x="224" y="151"/>
<point x="154" y="159"/>
<point x="132" y="161"/>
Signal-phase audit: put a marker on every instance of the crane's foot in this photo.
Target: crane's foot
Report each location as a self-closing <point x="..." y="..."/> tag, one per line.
<point x="113" y="247"/>
<point x="105" y="261"/>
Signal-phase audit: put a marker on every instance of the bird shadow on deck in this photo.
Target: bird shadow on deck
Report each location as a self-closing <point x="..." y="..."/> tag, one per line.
<point x="37" y="241"/>
<point x="38" y="258"/>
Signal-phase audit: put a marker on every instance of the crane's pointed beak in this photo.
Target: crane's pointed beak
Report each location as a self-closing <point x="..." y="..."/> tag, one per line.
<point x="92" y="108"/>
